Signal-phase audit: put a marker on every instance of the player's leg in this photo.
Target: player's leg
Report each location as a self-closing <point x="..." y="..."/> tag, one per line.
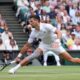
<point x="45" y="56"/>
<point x="26" y="60"/>
<point x="64" y="54"/>
<point x="57" y="59"/>
<point x="68" y="57"/>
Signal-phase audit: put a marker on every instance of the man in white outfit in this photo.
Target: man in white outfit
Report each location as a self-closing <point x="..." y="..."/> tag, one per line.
<point x="46" y="32"/>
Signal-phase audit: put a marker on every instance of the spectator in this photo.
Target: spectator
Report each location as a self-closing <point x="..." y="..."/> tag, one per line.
<point x="52" y="16"/>
<point x="66" y="17"/>
<point x="3" y="26"/>
<point x="6" y="35"/>
<point x="11" y="45"/>
<point x="77" y="29"/>
<point x="77" y="16"/>
<point x="46" y="7"/>
<point x="72" y="12"/>
<point x="76" y="45"/>
<point x="2" y="46"/>
<point x="20" y="5"/>
<point x="33" y="4"/>
<point x="4" y="55"/>
<point x="71" y="41"/>
<point x="44" y="17"/>
<point x="59" y="21"/>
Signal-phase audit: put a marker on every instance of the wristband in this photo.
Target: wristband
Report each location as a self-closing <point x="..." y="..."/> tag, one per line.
<point x="19" y="55"/>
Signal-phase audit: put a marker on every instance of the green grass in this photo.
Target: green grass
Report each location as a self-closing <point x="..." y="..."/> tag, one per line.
<point x="43" y="73"/>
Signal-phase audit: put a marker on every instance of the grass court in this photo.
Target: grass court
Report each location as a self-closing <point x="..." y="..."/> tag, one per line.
<point x="42" y="73"/>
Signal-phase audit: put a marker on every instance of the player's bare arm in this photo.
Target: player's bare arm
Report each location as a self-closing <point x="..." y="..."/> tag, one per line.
<point x="59" y="34"/>
<point x="22" y="51"/>
<point x="25" y="48"/>
<point x="57" y="42"/>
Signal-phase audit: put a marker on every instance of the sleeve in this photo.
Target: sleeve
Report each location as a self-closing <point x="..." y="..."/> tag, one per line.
<point x="51" y="28"/>
<point x="31" y="38"/>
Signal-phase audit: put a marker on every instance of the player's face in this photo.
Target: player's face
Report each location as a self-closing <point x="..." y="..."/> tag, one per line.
<point x="33" y="22"/>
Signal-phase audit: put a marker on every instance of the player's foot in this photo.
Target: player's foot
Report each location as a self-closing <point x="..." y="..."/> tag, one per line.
<point x="58" y="64"/>
<point x="11" y="71"/>
<point x="45" y="64"/>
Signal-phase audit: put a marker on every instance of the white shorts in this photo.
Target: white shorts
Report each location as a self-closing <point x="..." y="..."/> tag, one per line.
<point x="46" y="48"/>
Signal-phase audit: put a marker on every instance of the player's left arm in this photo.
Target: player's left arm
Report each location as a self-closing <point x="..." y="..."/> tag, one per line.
<point x="59" y="34"/>
<point x="57" y="42"/>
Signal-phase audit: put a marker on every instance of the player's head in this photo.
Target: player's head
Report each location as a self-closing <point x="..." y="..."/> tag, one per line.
<point x="34" y="20"/>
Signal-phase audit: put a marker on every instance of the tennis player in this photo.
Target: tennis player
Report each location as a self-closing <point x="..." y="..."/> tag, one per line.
<point x="49" y="42"/>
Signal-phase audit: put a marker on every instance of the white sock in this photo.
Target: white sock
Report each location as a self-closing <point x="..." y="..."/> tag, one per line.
<point x="58" y="64"/>
<point x="19" y="55"/>
<point x="16" y="67"/>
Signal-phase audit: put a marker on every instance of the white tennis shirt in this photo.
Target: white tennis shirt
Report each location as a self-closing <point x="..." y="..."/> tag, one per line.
<point x="46" y="33"/>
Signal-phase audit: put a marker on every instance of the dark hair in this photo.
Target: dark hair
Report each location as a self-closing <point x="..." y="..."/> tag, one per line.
<point x="35" y="17"/>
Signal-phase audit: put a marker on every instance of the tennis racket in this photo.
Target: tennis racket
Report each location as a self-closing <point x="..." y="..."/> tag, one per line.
<point x="4" y="66"/>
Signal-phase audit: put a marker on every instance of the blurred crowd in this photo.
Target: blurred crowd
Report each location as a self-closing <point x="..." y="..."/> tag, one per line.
<point x="62" y="14"/>
<point x="7" y="41"/>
